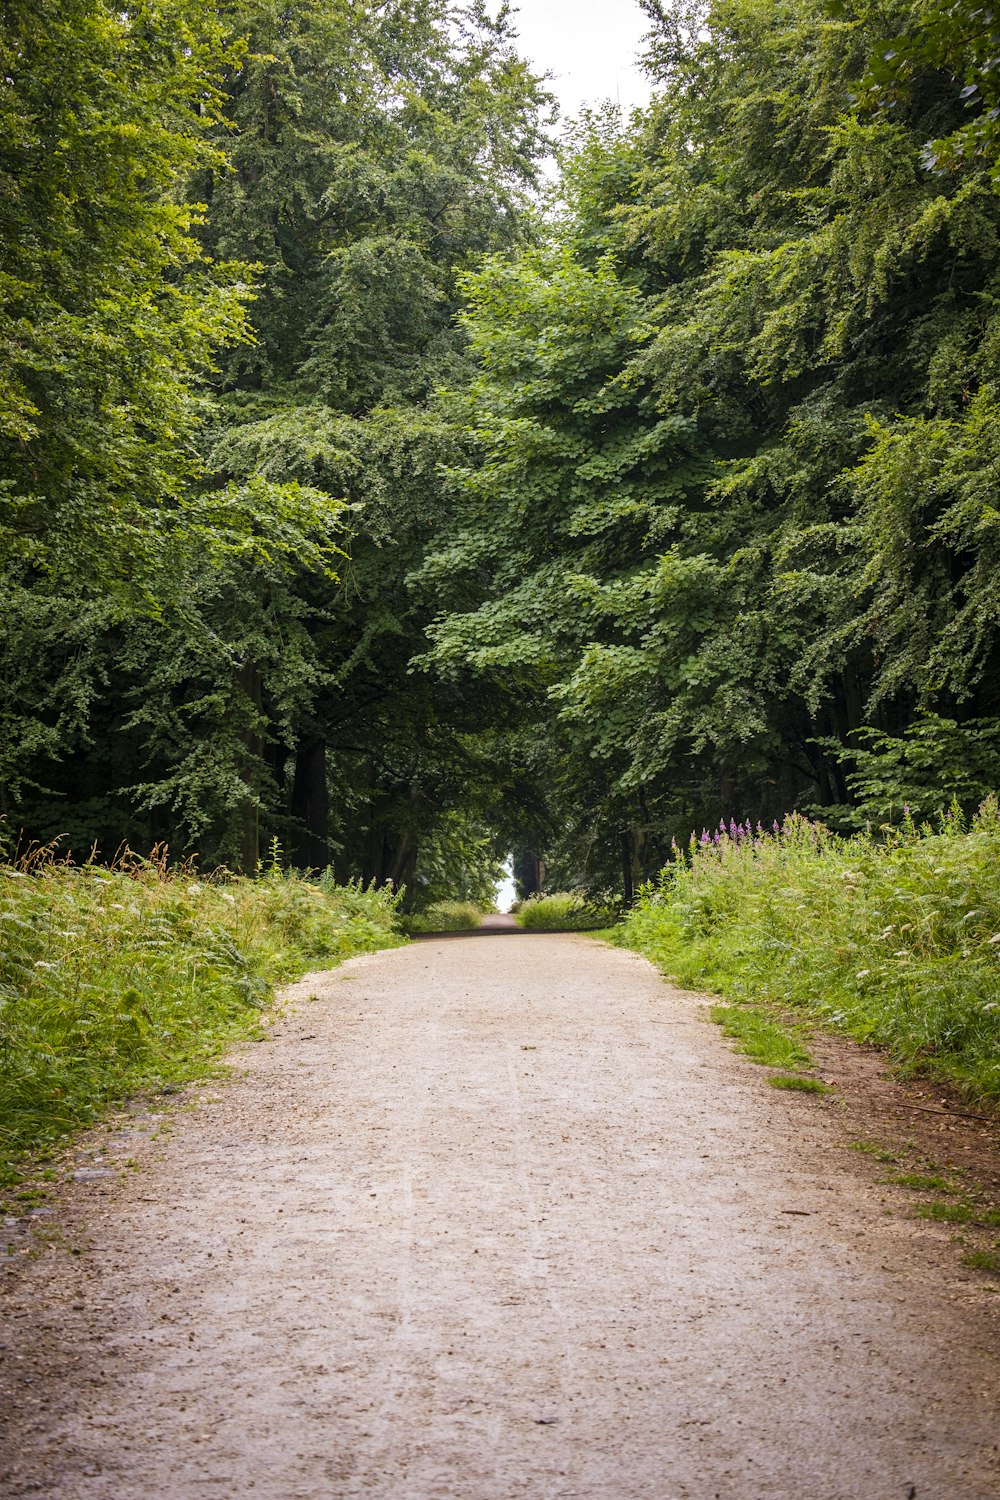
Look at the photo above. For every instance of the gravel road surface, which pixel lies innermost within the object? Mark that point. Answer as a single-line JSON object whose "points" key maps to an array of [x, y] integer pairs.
{"points": [[493, 1217]]}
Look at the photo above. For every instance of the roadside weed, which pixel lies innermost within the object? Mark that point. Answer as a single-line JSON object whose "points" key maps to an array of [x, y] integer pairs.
{"points": [[761, 1036], [872, 1148], [959, 1213], [922, 1184], [797, 1081], [983, 1260], [444, 916], [946, 1212]]}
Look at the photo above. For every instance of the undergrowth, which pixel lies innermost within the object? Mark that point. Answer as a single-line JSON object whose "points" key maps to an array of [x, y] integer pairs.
{"points": [[444, 916], [893, 940], [564, 911], [113, 980]]}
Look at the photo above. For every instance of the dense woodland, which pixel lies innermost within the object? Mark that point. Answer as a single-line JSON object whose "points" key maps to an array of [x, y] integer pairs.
{"points": [[367, 495]]}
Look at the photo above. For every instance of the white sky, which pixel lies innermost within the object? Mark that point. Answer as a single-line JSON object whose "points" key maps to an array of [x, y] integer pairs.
{"points": [[589, 46], [506, 892]]}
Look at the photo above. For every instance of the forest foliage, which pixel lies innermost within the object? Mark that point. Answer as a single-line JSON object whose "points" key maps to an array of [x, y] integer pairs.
{"points": [[231, 250], [735, 489], [360, 492]]}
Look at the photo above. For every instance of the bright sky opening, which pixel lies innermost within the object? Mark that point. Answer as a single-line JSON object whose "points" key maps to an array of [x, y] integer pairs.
{"points": [[590, 47]]}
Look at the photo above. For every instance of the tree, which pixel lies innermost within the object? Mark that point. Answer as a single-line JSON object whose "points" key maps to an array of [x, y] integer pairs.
{"points": [[110, 314], [110, 318], [377, 154], [489, 528], [359, 158], [796, 294]]}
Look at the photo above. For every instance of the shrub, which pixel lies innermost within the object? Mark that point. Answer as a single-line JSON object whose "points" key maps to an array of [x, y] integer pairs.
{"points": [[563, 911], [444, 916]]}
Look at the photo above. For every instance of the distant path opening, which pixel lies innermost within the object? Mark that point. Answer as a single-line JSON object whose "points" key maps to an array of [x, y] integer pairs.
{"points": [[499, 922]]}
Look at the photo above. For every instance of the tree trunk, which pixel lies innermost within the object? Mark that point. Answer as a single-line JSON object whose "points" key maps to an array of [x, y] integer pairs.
{"points": [[250, 682], [311, 806], [399, 859], [628, 887]]}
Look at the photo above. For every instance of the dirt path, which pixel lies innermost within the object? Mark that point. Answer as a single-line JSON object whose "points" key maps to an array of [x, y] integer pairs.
{"points": [[496, 1217]]}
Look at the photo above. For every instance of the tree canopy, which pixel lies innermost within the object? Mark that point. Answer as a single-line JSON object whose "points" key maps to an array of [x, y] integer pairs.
{"points": [[359, 494]]}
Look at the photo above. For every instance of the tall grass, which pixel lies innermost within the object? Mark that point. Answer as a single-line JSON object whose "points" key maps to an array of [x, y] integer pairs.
{"points": [[134, 977], [563, 911], [894, 941], [444, 916]]}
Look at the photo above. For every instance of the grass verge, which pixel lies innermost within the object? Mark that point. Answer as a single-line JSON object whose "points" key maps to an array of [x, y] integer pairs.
{"points": [[894, 942], [117, 980], [761, 1036]]}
